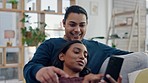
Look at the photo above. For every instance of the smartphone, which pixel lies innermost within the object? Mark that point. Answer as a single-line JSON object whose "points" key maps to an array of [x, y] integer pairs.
{"points": [[113, 68]]}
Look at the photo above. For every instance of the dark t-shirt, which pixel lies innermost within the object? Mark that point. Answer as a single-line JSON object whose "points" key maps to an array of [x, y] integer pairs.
{"points": [[71, 80]]}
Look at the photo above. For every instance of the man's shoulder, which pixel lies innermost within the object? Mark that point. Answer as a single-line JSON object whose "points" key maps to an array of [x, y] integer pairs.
{"points": [[94, 44], [55, 39], [86, 41]]}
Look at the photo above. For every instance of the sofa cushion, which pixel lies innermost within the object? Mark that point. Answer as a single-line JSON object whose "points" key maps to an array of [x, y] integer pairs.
{"points": [[139, 76], [132, 62]]}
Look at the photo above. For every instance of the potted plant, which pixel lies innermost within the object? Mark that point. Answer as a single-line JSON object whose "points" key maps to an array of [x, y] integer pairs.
{"points": [[14, 3], [32, 36]]}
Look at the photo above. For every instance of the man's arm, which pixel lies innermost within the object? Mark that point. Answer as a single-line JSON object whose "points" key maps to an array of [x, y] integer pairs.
{"points": [[50, 74], [113, 51], [29, 71]]}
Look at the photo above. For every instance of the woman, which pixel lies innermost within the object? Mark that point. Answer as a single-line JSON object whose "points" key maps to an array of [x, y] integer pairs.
{"points": [[73, 59]]}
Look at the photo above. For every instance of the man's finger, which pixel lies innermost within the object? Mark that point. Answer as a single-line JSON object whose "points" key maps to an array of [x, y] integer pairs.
{"points": [[53, 77]]}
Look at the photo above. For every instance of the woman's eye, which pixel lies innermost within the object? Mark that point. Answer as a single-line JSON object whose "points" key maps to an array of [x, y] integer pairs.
{"points": [[85, 55], [76, 52]]}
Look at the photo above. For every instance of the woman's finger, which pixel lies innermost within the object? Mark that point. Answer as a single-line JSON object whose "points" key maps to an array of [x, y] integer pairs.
{"points": [[110, 79]]}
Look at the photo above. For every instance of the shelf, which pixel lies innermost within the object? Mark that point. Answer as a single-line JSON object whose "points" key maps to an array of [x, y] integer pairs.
{"points": [[120, 26], [10, 10], [21, 9], [55, 29], [124, 13], [9, 65], [10, 46], [43, 12], [19, 64], [127, 21], [124, 38], [118, 38], [125, 25], [28, 11]]}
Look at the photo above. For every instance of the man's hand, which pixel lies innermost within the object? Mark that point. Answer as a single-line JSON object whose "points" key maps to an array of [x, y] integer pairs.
{"points": [[92, 78], [50, 74]]}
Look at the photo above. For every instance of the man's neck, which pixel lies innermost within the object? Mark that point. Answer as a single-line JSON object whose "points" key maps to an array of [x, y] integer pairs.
{"points": [[67, 39]]}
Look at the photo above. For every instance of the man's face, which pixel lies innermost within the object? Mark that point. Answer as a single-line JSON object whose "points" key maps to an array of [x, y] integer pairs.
{"points": [[75, 26]]}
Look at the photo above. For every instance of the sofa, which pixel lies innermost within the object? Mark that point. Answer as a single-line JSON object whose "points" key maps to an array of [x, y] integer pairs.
{"points": [[132, 62], [139, 76]]}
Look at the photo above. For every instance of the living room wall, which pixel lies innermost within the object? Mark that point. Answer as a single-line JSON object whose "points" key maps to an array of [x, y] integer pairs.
{"points": [[98, 22]]}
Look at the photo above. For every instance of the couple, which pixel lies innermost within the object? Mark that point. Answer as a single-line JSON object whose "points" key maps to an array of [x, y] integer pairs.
{"points": [[41, 69]]}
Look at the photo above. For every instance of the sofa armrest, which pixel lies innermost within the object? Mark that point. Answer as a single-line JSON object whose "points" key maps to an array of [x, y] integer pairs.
{"points": [[132, 62], [139, 76]]}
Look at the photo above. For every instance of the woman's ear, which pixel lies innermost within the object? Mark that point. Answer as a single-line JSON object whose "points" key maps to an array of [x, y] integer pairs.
{"points": [[61, 56]]}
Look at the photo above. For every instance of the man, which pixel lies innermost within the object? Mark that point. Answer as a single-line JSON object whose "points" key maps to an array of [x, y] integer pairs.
{"points": [[75, 21]]}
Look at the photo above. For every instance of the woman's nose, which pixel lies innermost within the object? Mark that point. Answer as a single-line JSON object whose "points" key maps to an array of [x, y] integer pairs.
{"points": [[82, 56]]}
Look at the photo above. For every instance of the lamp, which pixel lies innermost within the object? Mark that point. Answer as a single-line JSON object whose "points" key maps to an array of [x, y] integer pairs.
{"points": [[9, 34]]}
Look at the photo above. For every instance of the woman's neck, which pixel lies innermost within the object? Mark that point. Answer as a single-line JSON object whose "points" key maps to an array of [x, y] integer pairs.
{"points": [[71, 73]]}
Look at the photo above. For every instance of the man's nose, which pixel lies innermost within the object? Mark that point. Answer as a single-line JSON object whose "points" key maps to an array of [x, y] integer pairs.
{"points": [[77, 28]]}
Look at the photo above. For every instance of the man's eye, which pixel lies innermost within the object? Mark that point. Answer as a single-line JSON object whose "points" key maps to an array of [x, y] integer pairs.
{"points": [[72, 25], [81, 25]]}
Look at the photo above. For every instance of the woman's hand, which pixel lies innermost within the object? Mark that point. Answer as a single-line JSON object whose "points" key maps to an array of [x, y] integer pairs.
{"points": [[97, 78], [112, 80]]}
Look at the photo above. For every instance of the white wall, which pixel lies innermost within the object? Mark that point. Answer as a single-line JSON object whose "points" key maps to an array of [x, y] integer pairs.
{"points": [[146, 28], [98, 24]]}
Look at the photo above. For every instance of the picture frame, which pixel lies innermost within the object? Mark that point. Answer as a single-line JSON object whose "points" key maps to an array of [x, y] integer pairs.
{"points": [[94, 8]]}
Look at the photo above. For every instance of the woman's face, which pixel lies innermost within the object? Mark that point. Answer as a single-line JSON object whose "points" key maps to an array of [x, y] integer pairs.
{"points": [[75, 58]]}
